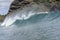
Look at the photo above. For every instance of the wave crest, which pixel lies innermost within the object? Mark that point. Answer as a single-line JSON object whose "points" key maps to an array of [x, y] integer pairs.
{"points": [[23, 14]]}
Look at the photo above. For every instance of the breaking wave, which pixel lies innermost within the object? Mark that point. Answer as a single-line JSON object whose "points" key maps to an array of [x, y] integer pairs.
{"points": [[24, 13], [10, 20]]}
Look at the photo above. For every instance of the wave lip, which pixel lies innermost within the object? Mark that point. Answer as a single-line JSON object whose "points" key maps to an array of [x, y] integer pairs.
{"points": [[9, 21]]}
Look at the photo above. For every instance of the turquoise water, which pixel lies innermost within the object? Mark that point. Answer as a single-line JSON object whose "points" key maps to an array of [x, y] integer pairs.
{"points": [[37, 27]]}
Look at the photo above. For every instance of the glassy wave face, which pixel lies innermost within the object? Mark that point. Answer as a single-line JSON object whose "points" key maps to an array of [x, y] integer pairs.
{"points": [[37, 27]]}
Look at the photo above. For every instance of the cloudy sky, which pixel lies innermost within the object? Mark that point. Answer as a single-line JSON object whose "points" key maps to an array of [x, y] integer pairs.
{"points": [[4, 6]]}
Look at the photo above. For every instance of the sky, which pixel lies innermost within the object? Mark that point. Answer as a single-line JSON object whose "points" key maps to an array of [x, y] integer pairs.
{"points": [[4, 6]]}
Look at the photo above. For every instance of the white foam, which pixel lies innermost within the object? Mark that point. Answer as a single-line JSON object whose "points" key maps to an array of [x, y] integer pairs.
{"points": [[8, 22]]}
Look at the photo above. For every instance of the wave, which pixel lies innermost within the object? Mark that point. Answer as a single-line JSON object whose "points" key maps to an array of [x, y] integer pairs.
{"points": [[9, 20], [23, 14], [39, 18]]}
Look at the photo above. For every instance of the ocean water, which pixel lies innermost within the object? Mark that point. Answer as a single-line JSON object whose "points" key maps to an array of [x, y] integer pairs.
{"points": [[37, 27]]}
